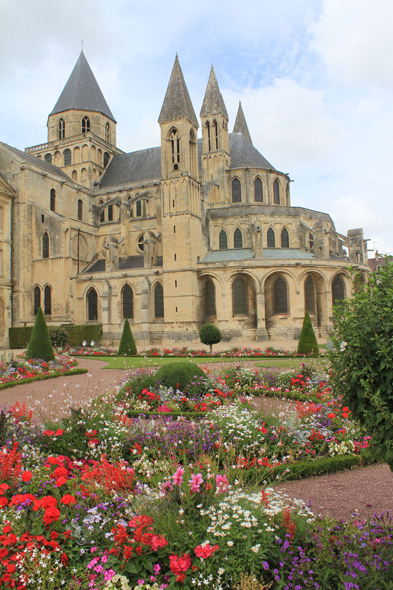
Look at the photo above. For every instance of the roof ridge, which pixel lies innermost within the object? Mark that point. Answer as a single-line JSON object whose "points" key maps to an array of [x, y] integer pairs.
{"points": [[213, 103], [241, 124], [177, 102]]}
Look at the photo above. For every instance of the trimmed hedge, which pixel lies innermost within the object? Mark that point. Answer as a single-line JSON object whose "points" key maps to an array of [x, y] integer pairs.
{"points": [[289, 395], [127, 345], [40, 345], [42, 378], [177, 375], [307, 341], [20, 337]]}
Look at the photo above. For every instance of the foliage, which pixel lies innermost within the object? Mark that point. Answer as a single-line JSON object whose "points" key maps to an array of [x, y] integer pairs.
{"points": [[19, 337], [362, 360], [307, 341], [59, 337], [40, 345], [178, 375], [210, 334], [127, 346]]}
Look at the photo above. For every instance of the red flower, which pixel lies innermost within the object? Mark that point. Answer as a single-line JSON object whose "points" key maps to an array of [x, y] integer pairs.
{"points": [[331, 416], [61, 481], [51, 514], [68, 499], [26, 476], [3, 488]]}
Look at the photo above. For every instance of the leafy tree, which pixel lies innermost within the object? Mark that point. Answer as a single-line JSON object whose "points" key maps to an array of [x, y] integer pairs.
{"points": [[210, 334], [362, 359], [127, 346], [40, 345], [307, 341]]}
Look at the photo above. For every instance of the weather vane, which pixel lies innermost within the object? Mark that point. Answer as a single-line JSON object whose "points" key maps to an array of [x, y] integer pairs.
{"points": [[82, 44]]}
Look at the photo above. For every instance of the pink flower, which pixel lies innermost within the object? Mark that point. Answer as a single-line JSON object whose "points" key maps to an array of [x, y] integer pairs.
{"points": [[166, 487], [222, 484], [195, 482], [178, 477], [156, 568]]}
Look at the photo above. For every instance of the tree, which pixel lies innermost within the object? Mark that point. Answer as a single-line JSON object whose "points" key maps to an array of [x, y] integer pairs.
{"points": [[307, 341], [127, 346], [40, 345], [362, 359], [210, 334]]}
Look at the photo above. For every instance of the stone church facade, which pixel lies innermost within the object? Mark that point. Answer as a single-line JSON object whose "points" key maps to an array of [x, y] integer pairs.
{"points": [[192, 231]]}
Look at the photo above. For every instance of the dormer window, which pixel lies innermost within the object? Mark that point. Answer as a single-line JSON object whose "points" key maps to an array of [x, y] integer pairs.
{"points": [[85, 124], [61, 128], [175, 149]]}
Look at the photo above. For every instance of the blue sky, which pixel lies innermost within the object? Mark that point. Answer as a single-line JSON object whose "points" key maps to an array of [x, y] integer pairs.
{"points": [[315, 78]]}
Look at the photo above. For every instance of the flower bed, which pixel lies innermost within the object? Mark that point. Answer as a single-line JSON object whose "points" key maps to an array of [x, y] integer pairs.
{"points": [[100, 500], [22, 370]]}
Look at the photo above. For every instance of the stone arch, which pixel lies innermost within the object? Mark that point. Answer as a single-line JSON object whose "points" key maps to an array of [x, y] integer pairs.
{"points": [[277, 289], [92, 304], [271, 238], [209, 298], [47, 300], [313, 286], [276, 191], [127, 302], [85, 153], [158, 300], [338, 288], [358, 282], [223, 240], [236, 190], [238, 238], [36, 299], [284, 238], [77, 155], [243, 293], [258, 189]]}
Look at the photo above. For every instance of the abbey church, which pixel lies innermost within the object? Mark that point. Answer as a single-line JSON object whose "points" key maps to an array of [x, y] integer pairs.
{"points": [[170, 237]]}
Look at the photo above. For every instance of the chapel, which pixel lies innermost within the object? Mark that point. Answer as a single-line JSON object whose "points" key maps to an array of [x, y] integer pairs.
{"points": [[192, 231]]}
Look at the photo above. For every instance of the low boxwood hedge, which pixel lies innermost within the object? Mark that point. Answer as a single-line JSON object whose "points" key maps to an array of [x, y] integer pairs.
{"points": [[20, 337], [41, 378]]}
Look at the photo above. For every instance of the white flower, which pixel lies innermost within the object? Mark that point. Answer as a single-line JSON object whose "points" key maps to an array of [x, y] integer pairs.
{"points": [[230, 543], [343, 346]]}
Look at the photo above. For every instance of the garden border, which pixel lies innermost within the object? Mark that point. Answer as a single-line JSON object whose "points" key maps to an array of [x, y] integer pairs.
{"points": [[42, 378]]}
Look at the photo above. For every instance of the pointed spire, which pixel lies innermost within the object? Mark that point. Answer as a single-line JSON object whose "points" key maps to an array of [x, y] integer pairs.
{"points": [[213, 103], [82, 91], [241, 124], [177, 102]]}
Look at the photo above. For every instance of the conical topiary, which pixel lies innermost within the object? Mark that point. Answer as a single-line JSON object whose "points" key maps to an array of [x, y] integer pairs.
{"points": [[40, 345], [127, 346], [307, 342]]}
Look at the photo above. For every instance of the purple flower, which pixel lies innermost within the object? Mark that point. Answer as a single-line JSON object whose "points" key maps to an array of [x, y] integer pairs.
{"points": [[265, 565]]}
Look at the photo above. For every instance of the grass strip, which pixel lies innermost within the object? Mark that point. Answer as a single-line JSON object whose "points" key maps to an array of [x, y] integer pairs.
{"points": [[42, 378]]}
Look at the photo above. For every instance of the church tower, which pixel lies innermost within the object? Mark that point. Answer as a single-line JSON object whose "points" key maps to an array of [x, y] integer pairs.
{"points": [[81, 129], [241, 124], [215, 139]]}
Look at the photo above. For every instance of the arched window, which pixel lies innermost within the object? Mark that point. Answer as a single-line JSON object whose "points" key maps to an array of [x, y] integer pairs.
{"points": [[284, 238], [53, 200], [67, 157], [92, 305], [210, 299], [139, 208], [106, 159], [110, 213], [80, 209], [47, 300], [238, 239], [48, 158], [271, 238], [239, 294], [258, 190], [280, 296], [236, 191], [338, 290], [61, 128], [310, 241], [45, 245], [102, 214], [193, 153], [37, 299], [75, 175], [276, 192], [215, 133], [85, 124], [107, 133], [223, 240], [158, 301], [141, 244], [309, 295], [175, 149], [127, 302], [208, 136]]}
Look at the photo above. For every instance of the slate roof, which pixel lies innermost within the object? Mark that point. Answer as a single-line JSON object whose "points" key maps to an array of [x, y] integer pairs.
{"points": [[177, 102], [45, 166], [286, 253], [246, 254], [82, 92], [213, 103], [241, 124], [146, 164], [127, 264], [229, 255]]}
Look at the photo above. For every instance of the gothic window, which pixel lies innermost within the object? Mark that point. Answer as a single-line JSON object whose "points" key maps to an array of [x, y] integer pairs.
{"points": [[310, 241], [75, 175], [239, 294], [208, 135], [338, 291], [107, 133], [106, 159], [85, 124], [61, 128], [236, 191], [309, 295], [210, 299], [141, 244], [47, 300], [102, 214], [215, 128], [48, 158], [110, 213], [271, 238], [67, 157], [175, 148], [223, 240], [37, 299], [280, 296], [80, 209], [276, 192], [127, 302], [193, 153], [258, 190], [284, 238], [238, 239], [92, 305], [53, 200], [158, 301], [45, 245], [139, 208]]}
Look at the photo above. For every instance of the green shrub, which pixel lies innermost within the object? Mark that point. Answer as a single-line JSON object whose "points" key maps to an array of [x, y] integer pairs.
{"points": [[362, 360], [210, 334], [58, 337], [127, 345], [178, 375], [40, 345], [307, 342], [20, 337], [134, 387]]}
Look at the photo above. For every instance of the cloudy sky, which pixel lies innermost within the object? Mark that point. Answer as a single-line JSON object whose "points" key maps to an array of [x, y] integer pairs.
{"points": [[315, 78]]}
